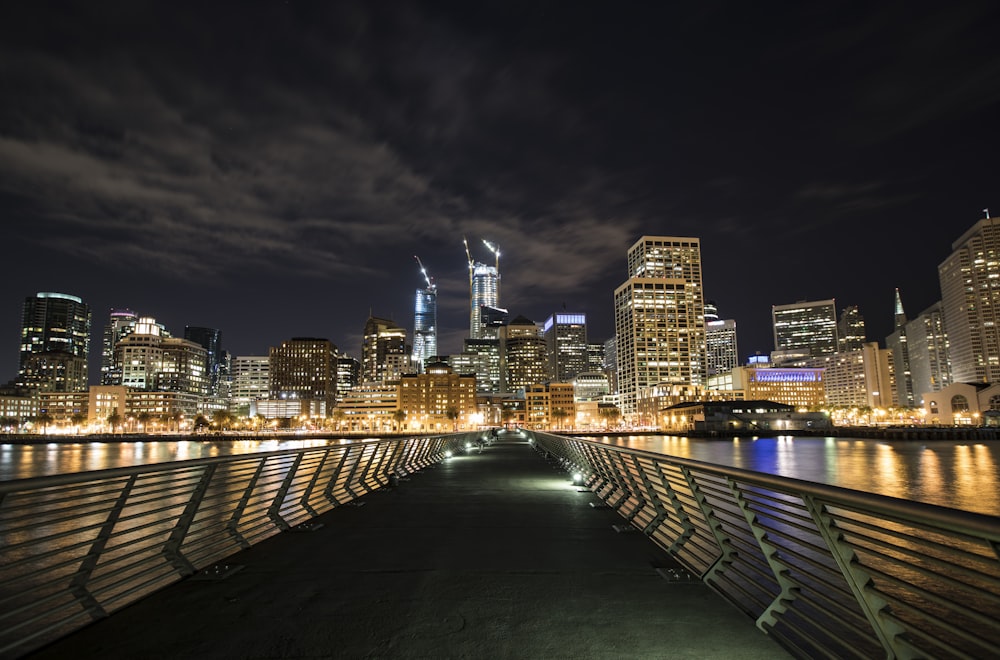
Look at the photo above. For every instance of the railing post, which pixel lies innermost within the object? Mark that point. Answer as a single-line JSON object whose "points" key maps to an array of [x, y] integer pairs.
{"points": [[682, 516], [172, 548], [304, 500], [789, 590], [858, 580], [661, 511], [328, 491], [234, 521], [354, 470], [726, 552], [274, 511], [78, 585]]}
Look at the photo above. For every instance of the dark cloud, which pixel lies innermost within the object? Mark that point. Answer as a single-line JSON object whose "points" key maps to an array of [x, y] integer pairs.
{"points": [[206, 162]]}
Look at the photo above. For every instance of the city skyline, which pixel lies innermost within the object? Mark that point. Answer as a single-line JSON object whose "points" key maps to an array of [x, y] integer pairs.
{"points": [[270, 171]]}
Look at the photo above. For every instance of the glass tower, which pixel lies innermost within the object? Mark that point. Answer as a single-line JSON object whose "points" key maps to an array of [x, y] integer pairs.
{"points": [[54, 325], [485, 293], [804, 329], [425, 326]]}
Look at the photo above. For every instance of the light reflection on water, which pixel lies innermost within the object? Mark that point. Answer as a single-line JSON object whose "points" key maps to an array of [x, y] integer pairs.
{"points": [[955, 474]]}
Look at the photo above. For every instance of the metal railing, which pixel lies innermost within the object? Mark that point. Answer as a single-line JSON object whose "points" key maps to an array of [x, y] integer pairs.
{"points": [[76, 547], [826, 571]]}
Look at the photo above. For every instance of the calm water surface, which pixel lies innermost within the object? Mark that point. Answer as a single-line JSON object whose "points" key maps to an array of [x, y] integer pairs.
{"points": [[961, 475]]}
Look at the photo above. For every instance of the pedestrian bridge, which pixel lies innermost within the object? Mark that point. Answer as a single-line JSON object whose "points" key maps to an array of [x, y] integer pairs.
{"points": [[536, 546]]}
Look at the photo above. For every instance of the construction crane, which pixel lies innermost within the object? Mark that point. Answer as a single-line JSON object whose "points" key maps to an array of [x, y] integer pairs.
{"points": [[469, 257], [428, 278], [495, 249]]}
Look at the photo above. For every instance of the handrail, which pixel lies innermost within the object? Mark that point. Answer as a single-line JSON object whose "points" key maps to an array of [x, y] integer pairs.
{"points": [[826, 571], [76, 547]]}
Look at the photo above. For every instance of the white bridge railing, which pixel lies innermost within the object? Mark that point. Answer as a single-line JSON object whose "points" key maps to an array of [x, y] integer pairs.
{"points": [[826, 571], [76, 547]]}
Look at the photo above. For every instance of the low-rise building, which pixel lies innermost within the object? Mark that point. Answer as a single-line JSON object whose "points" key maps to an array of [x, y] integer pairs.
{"points": [[741, 417]]}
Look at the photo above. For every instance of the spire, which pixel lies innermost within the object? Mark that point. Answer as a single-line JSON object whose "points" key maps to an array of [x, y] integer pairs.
{"points": [[900, 314]]}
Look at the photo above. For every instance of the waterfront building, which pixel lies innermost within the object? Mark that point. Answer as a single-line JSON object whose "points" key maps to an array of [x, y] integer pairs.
{"points": [[304, 368], [721, 346], [927, 349], [105, 401], [216, 359], [118, 320], [659, 318], [438, 399], [251, 380], [55, 343], [897, 344], [566, 342], [970, 301], [802, 387], [590, 386], [963, 404], [741, 416], [425, 325], [861, 378], [151, 361], [524, 355], [383, 351], [804, 329], [17, 406], [370, 407], [549, 405], [64, 408], [851, 334]]}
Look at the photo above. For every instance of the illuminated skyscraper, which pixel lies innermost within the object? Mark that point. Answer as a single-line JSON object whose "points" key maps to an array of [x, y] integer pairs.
{"points": [[119, 319], [425, 326], [383, 350], [898, 344], [970, 300], [211, 340], [851, 335], [720, 342], [485, 293], [55, 342], [803, 330], [566, 341], [659, 318], [525, 360], [304, 368], [927, 348]]}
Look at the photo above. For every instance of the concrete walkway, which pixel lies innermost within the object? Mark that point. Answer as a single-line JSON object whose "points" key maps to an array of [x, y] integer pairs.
{"points": [[492, 555]]}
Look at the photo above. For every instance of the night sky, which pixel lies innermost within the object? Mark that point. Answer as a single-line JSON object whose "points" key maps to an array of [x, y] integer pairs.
{"points": [[271, 168]]}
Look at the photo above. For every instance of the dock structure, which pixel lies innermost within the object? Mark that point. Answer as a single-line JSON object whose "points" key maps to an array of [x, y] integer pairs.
{"points": [[488, 554]]}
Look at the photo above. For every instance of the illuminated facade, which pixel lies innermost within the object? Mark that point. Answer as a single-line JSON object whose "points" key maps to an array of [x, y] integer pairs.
{"points": [[251, 380], [438, 399], [383, 351], [566, 342], [970, 300], [54, 325], [485, 292], [898, 344], [151, 361], [799, 387], [804, 329], [425, 326], [304, 368], [369, 407], [927, 348], [118, 320], [720, 346], [860, 378], [659, 318], [524, 358], [217, 363], [851, 334], [549, 405]]}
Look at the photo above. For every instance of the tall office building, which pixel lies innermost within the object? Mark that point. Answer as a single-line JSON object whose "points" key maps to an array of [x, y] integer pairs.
{"points": [[55, 343], [611, 364], [383, 350], [927, 347], [566, 342], [659, 318], [425, 325], [251, 380], [118, 320], [211, 340], [970, 300], [804, 329], [524, 358], [304, 368], [484, 292], [851, 335], [152, 360], [897, 344], [720, 341]]}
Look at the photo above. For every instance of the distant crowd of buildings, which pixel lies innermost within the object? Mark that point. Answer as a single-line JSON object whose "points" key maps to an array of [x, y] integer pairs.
{"points": [[673, 363]]}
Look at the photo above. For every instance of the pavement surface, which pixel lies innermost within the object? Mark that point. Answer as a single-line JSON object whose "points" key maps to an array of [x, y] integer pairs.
{"points": [[488, 555]]}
